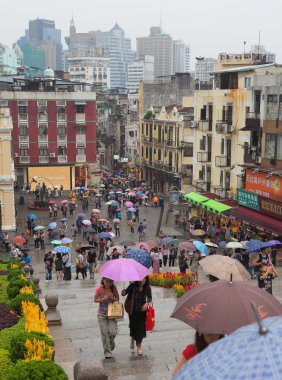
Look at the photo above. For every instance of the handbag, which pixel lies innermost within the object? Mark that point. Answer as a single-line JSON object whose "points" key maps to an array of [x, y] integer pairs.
{"points": [[115, 310], [128, 303], [150, 318]]}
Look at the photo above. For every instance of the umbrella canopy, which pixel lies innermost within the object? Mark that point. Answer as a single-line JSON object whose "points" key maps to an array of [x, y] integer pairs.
{"points": [[66, 241], [19, 240], [166, 240], [188, 245], [52, 225], [198, 232], [234, 245], [254, 245], [102, 185], [124, 270], [86, 222], [84, 248], [210, 244], [131, 209], [128, 204], [127, 243], [222, 244], [226, 358], [201, 247], [114, 203], [56, 242], [109, 203], [116, 220], [64, 219], [145, 197], [96, 211], [104, 235], [152, 244], [144, 246], [102, 220], [90, 229], [31, 216], [64, 201], [119, 248], [223, 267], [39, 228], [141, 256], [118, 209], [51, 202], [81, 215], [270, 243], [174, 242], [62, 249], [221, 307]]}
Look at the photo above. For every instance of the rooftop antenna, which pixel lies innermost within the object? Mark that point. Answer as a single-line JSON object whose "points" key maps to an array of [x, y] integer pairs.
{"points": [[245, 47], [259, 42], [161, 19]]}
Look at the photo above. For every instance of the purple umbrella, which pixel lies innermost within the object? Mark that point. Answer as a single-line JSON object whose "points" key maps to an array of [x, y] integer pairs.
{"points": [[131, 209], [66, 241], [124, 270], [270, 243]]}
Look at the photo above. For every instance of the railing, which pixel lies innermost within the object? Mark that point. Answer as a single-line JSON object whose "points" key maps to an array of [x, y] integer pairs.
{"points": [[158, 164], [80, 138], [205, 125], [80, 158], [252, 115], [80, 118], [43, 159], [222, 161], [61, 116], [23, 116], [170, 143], [42, 117], [23, 138], [203, 156], [223, 127], [201, 185], [24, 159], [62, 139], [148, 139], [42, 138], [159, 141], [62, 158]]}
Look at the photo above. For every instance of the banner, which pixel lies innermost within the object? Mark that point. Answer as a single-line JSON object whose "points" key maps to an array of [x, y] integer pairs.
{"points": [[259, 184], [248, 199]]}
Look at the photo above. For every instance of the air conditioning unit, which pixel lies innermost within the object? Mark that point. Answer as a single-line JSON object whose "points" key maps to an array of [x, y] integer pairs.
{"points": [[52, 155], [16, 154], [258, 160]]}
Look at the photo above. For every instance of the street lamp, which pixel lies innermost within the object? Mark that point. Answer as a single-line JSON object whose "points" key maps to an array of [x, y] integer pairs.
{"points": [[35, 179]]}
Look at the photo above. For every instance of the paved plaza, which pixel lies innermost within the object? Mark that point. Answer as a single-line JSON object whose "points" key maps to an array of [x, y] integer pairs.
{"points": [[79, 336]]}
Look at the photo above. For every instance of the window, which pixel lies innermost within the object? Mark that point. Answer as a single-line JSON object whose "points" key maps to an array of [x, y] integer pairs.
{"points": [[80, 130], [247, 82], [271, 98], [80, 150], [279, 147], [147, 129], [131, 133], [147, 152], [42, 129], [22, 110], [23, 150], [227, 180], [188, 150], [270, 145], [61, 110], [43, 151], [80, 108], [62, 131], [221, 178], [159, 155], [62, 150], [203, 143], [222, 146], [3, 103], [23, 129]]}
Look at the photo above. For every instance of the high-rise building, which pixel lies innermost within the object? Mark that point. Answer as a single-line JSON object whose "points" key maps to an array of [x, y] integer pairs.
{"points": [[92, 68], [44, 35], [178, 56], [187, 59], [8, 60], [32, 55], [140, 70], [79, 43], [121, 55], [160, 46], [203, 68]]}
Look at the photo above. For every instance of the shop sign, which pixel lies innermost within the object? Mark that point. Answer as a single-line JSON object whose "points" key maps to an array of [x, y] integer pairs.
{"points": [[272, 208], [248, 199], [174, 197], [260, 184]]}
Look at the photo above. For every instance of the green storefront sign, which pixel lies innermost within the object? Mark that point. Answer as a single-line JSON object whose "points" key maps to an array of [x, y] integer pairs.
{"points": [[248, 199]]}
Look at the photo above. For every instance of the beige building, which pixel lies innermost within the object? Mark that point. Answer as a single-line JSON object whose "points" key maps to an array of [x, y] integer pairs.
{"points": [[228, 124], [7, 177]]}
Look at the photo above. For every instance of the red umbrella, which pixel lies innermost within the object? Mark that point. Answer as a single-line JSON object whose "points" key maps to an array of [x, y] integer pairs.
{"points": [[18, 240], [222, 307], [152, 244]]}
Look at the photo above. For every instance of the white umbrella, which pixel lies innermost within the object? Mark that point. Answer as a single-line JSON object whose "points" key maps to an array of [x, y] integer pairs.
{"points": [[210, 244], [233, 245]]}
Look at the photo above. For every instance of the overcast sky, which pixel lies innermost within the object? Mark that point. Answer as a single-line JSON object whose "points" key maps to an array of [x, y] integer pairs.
{"points": [[208, 26]]}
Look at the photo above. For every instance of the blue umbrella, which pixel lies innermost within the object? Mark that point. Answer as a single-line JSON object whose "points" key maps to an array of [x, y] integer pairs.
{"points": [[271, 243], [222, 244], [81, 215], [64, 219], [31, 216], [254, 245], [114, 203], [104, 235], [83, 188], [52, 225], [62, 249], [90, 229], [111, 192], [251, 352], [201, 247], [166, 240], [141, 256]]}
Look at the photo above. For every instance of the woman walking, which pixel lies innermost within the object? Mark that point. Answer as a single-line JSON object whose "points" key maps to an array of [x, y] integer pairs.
{"points": [[104, 295], [59, 266], [48, 260], [136, 305], [155, 260]]}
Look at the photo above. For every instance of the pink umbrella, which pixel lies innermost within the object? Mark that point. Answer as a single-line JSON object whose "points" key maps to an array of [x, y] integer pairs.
{"points": [[86, 222], [145, 197], [51, 202], [187, 245], [145, 246], [66, 241], [64, 201], [128, 204], [152, 244], [132, 193], [124, 270]]}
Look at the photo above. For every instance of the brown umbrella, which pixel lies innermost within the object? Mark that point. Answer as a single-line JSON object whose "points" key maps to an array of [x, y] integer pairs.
{"points": [[187, 245], [223, 267], [198, 232], [222, 307]]}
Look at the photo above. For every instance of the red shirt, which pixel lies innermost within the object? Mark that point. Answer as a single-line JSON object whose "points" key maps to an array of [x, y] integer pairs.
{"points": [[189, 352]]}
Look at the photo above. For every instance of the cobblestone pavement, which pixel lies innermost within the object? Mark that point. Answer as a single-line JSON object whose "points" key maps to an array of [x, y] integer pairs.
{"points": [[79, 335]]}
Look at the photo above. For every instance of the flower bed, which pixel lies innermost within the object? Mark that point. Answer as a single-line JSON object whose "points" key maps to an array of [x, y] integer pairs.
{"points": [[180, 290], [168, 279], [26, 349]]}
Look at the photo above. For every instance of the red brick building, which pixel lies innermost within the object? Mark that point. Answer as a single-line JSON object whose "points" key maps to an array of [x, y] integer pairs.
{"points": [[54, 130]]}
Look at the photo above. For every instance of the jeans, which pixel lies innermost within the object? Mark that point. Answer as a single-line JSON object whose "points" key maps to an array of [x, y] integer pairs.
{"points": [[164, 260], [171, 261], [67, 273], [108, 329], [101, 255], [117, 231], [48, 273]]}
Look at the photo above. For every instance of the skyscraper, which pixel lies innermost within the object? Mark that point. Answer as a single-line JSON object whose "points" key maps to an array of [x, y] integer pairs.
{"points": [[160, 46], [178, 56], [140, 70]]}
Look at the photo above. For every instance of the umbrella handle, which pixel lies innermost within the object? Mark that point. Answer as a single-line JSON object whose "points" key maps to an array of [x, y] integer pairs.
{"points": [[262, 329]]}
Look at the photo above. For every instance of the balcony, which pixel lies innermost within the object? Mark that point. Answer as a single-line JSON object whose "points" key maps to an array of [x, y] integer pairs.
{"points": [[61, 117], [158, 164], [62, 159], [80, 139], [169, 168], [205, 125], [204, 156], [80, 118], [159, 141], [201, 185], [220, 190], [24, 159], [62, 139], [171, 143], [24, 138], [223, 127], [23, 117], [221, 161], [80, 158], [42, 138], [147, 139], [43, 159], [42, 116], [252, 121]]}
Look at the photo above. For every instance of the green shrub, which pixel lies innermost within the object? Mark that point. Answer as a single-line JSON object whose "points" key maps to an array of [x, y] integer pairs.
{"points": [[14, 274], [18, 350], [15, 286], [7, 334], [16, 303], [36, 370], [5, 363], [13, 262], [3, 290]]}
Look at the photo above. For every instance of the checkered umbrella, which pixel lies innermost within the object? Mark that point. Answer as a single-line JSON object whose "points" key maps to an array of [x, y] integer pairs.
{"points": [[141, 256], [62, 249]]}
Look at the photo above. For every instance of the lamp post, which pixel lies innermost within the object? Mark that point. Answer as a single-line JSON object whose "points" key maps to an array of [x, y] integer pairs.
{"points": [[35, 179]]}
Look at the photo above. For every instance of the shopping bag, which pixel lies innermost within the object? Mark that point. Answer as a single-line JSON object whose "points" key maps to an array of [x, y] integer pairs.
{"points": [[150, 318], [115, 310]]}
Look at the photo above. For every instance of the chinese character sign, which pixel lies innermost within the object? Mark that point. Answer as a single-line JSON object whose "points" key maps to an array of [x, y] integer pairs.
{"points": [[265, 187], [248, 199]]}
